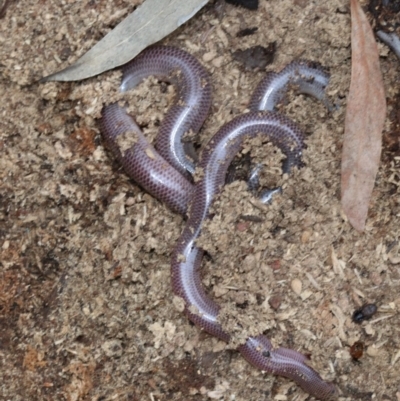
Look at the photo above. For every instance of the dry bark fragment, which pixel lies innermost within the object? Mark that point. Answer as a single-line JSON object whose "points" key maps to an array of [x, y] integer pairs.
{"points": [[365, 116]]}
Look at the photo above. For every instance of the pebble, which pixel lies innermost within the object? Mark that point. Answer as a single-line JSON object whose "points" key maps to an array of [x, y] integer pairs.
{"points": [[296, 286]]}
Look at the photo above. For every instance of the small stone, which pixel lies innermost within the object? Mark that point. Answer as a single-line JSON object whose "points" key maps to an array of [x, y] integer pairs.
{"points": [[242, 226], [305, 237], [275, 302], [296, 286], [275, 265]]}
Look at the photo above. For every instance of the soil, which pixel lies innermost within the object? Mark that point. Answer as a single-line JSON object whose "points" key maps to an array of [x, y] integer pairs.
{"points": [[86, 307]]}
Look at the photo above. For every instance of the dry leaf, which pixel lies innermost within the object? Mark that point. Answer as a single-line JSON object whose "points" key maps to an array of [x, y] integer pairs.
{"points": [[365, 116], [149, 23]]}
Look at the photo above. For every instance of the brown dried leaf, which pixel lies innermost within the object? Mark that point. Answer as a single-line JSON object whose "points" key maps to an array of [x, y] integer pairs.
{"points": [[149, 23], [365, 116]]}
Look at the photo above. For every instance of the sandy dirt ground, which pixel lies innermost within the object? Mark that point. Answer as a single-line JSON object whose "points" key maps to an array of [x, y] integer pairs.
{"points": [[86, 308]]}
